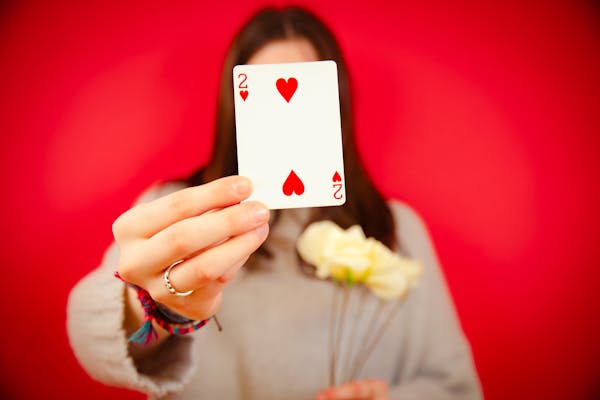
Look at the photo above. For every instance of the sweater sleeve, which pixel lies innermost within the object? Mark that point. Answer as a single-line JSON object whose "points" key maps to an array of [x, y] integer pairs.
{"points": [[438, 363], [95, 315]]}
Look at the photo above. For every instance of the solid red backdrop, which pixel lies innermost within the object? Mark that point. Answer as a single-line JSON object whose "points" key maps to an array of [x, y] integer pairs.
{"points": [[483, 117]]}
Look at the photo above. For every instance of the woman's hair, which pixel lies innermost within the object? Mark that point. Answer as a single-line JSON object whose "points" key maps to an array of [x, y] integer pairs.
{"points": [[364, 204]]}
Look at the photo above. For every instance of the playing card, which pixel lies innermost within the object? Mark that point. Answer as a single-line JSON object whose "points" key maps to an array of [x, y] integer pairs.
{"points": [[289, 139]]}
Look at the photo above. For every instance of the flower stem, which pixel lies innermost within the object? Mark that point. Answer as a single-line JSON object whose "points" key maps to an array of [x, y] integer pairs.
{"points": [[370, 346], [354, 333], [370, 329], [332, 333], [340, 328]]}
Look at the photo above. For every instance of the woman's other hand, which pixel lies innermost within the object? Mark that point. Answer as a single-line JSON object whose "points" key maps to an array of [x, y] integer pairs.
{"points": [[368, 389]]}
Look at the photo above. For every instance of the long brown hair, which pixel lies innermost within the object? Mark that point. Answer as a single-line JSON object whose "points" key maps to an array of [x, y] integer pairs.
{"points": [[364, 204]]}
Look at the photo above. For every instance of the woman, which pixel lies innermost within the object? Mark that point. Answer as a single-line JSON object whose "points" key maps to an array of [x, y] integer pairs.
{"points": [[275, 314]]}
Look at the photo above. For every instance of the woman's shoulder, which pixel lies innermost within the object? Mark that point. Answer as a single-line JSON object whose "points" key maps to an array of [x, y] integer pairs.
{"points": [[405, 214], [411, 229]]}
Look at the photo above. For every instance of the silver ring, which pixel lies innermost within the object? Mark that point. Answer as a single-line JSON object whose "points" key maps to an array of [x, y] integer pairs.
{"points": [[168, 284]]}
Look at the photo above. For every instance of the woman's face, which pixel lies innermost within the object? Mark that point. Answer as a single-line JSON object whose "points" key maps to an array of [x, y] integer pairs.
{"points": [[285, 51]]}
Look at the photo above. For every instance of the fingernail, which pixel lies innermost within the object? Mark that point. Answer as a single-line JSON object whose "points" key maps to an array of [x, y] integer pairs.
{"points": [[262, 230], [260, 214], [242, 185]]}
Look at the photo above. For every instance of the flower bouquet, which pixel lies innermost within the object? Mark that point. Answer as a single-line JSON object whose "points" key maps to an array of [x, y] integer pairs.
{"points": [[361, 265]]}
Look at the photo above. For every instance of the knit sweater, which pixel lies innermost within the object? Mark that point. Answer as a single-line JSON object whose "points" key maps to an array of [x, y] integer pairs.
{"points": [[276, 334]]}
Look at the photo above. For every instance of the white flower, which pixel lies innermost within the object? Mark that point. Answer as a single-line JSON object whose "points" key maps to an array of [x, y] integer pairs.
{"points": [[335, 252], [391, 275], [347, 255]]}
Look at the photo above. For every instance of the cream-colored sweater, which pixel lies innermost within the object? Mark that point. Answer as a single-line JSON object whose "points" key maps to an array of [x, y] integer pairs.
{"points": [[275, 340]]}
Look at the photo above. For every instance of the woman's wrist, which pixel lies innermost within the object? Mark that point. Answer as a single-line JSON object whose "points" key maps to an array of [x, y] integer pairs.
{"points": [[171, 316], [168, 320], [135, 316]]}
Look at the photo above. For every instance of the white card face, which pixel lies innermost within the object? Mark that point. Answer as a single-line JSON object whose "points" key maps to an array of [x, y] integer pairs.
{"points": [[289, 138]]}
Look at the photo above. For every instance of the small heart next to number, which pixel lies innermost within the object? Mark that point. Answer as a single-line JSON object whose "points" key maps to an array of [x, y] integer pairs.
{"points": [[244, 94]]}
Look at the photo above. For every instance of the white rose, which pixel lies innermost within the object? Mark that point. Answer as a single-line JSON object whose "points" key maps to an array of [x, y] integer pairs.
{"points": [[347, 255], [341, 254], [311, 242], [391, 275]]}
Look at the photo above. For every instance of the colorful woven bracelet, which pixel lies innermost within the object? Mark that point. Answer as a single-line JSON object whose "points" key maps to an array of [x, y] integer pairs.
{"points": [[163, 317]]}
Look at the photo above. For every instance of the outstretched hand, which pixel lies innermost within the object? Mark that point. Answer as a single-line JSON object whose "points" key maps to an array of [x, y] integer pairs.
{"points": [[205, 226]]}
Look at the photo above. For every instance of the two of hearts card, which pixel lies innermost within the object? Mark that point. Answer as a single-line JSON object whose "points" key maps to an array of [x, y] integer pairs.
{"points": [[288, 132]]}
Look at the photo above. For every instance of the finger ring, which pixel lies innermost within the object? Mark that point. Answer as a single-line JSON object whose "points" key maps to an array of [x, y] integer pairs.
{"points": [[168, 284]]}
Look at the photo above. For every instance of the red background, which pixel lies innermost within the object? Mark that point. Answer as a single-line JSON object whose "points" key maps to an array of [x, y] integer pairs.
{"points": [[485, 118]]}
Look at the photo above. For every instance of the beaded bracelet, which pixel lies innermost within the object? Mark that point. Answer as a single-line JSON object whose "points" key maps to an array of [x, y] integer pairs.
{"points": [[165, 318]]}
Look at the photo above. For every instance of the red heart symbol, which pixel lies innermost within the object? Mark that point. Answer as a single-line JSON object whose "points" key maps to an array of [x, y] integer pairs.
{"points": [[244, 94], [293, 184], [287, 88], [337, 177]]}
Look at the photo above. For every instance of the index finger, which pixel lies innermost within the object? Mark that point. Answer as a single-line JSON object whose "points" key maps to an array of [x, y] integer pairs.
{"points": [[145, 220]]}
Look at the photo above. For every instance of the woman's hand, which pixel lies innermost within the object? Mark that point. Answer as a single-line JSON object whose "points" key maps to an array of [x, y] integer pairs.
{"points": [[369, 389], [207, 227]]}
